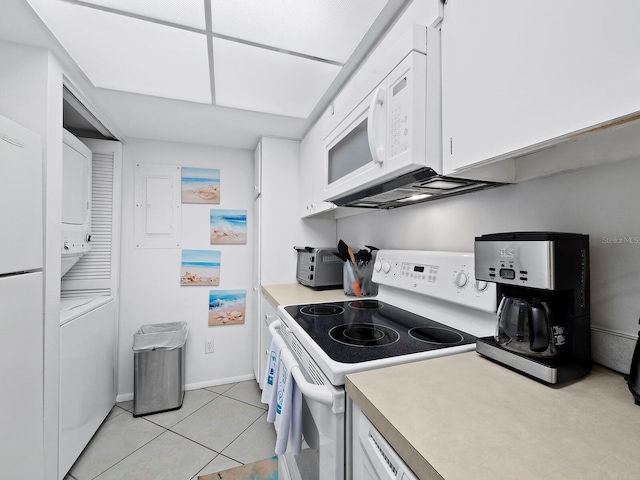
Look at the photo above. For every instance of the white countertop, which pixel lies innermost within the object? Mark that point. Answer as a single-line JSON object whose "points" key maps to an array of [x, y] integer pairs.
{"points": [[295, 293]]}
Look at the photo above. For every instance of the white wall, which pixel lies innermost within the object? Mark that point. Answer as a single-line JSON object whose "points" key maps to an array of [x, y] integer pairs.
{"points": [[150, 278], [601, 202]]}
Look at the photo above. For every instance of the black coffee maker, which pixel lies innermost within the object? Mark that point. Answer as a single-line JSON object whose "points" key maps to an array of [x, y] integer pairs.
{"points": [[544, 326]]}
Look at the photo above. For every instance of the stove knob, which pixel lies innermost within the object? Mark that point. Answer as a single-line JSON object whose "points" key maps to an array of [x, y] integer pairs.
{"points": [[377, 265], [386, 267], [480, 285], [461, 279]]}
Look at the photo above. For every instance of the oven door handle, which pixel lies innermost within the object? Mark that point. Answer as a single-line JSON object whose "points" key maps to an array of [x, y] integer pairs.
{"points": [[318, 393]]}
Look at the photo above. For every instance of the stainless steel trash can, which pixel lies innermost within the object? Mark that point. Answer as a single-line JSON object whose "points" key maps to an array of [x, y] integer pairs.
{"points": [[159, 366]]}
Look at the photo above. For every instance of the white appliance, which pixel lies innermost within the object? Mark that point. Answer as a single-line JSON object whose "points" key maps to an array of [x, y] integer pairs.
{"points": [[384, 136], [373, 457], [87, 369], [21, 300], [429, 305], [387, 152], [76, 200]]}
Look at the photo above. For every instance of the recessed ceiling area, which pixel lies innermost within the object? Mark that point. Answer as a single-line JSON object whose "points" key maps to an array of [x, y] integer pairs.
{"points": [[279, 57]]}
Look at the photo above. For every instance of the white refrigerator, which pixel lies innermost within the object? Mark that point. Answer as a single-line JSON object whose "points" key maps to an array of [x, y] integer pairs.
{"points": [[21, 302]]}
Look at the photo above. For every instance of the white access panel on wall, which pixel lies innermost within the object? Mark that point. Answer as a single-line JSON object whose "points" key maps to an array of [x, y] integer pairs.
{"points": [[158, 216]]}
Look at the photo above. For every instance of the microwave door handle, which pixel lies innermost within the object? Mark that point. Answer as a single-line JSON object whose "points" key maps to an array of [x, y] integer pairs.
{"points": [[317, 393], [375, 108]]}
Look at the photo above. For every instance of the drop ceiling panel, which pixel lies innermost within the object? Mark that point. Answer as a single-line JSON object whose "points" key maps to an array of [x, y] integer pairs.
{"points": [[323, 29], [183, 12], [262, 80], [132, 55]]}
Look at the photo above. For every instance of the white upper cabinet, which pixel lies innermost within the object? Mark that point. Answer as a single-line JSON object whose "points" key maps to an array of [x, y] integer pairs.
{"points": [[522, 76], [311, 181]]}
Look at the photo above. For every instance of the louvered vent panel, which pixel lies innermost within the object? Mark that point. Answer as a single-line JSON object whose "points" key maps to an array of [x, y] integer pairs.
{"points": [[87, 292], [96, 264]]}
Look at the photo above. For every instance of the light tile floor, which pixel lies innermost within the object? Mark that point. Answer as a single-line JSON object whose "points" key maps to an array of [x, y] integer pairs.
{"points": [[216, 428]]}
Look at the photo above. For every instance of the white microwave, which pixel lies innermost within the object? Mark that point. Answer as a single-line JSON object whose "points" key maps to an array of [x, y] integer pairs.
{"points": [[385, 136]]}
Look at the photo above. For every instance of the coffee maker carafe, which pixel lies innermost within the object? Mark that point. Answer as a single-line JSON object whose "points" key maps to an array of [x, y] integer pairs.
{"points": [[543, 324], [528, 328]]}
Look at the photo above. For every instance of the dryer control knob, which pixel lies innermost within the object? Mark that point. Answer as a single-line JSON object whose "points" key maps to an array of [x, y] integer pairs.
{"points": [[386, 267], [480, 285], [377, 266], [66, 245]]}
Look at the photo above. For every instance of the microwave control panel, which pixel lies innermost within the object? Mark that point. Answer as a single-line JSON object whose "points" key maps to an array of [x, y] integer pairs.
{"points": [[400, 116]]}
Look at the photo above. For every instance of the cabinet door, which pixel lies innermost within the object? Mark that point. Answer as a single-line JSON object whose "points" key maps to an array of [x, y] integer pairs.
{"points": [[311, 180], [519, 76], [269, 315]]}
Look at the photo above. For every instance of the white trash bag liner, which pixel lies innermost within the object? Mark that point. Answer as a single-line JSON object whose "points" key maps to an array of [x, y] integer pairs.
{"points": [[160, 336]]}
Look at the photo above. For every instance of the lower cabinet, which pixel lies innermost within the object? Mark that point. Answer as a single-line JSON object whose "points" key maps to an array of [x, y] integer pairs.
{"points": [[269, 314]]}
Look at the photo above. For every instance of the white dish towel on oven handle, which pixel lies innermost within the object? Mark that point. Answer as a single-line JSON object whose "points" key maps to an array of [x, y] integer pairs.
{"points": [[288, 421], [270, 388]]}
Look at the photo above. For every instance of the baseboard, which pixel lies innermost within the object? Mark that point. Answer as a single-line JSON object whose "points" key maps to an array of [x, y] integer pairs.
{"points": [[125, 397]]}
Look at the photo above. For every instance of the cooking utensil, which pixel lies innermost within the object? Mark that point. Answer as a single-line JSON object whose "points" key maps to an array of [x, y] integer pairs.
{"points": [[355, 284], [343, 248]]}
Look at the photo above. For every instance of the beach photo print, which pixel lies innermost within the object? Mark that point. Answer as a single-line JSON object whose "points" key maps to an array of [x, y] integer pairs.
{"points": [[200, 267], [227, 307], [200, 185], [228, 226]]}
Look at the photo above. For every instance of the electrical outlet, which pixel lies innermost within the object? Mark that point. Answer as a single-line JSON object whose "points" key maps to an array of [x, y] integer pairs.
{"points": [[208, 346]]}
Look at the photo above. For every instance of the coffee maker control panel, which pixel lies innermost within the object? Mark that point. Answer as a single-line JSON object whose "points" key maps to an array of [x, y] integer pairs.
{"points": [[522, 263]]}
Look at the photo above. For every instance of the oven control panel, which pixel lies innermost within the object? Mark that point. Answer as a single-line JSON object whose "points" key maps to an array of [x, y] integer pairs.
{"points": [[445, 275]]}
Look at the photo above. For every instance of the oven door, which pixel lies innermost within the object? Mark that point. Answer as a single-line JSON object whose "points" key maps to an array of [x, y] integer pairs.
{"points": [[323, 417]]}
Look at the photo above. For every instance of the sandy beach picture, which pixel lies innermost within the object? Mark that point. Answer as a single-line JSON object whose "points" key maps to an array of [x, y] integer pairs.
{"points": [[200, 267], [200, 185], [228, 226], [227, 307]]}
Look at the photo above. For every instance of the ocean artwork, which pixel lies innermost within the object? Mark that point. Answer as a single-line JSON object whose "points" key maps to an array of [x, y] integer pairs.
{"points": [[200, 267], [228, 226], [200, 185], [227, 307]]}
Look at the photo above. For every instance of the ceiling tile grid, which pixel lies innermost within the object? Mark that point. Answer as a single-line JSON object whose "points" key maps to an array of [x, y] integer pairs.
{"points": [[271, 56], [250, 78]]}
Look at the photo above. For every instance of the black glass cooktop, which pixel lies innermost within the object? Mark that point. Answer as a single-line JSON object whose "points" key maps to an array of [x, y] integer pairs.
{"points": [[364, 330]]}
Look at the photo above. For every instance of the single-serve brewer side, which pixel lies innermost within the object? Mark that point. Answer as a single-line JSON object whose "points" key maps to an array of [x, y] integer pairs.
{"points": [[543, 326]]}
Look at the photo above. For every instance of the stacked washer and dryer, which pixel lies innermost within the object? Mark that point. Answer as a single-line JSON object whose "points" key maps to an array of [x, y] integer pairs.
{"points": [[87, 323]]}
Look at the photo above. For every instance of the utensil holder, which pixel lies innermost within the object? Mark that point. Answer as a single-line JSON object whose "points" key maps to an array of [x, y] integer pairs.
{"points": [[357, 279]]}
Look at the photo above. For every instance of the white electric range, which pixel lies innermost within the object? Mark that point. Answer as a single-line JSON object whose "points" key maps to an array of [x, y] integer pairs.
{"points": [[428, 305]]}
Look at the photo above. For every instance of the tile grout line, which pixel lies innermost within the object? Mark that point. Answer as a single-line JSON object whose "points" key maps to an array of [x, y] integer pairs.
{"points": [[240, 434], [183, 419], [141, 446], [234, 439], [263, 411]]}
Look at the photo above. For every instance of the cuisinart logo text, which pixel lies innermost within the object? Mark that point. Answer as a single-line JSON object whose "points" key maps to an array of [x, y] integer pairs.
{"points": [[632, 240]]}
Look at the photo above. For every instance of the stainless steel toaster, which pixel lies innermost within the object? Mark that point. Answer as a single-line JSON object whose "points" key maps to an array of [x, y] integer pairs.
{"points": [[319, 268]]}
